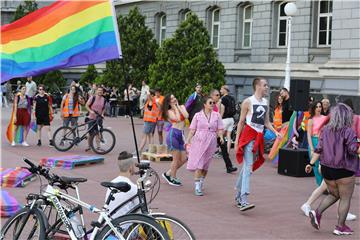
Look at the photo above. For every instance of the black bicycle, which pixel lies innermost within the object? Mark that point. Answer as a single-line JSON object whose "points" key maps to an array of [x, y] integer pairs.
{"points": [[102, 140]]}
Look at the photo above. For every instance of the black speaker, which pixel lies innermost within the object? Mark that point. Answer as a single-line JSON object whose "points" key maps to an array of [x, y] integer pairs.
{"points": [[292, 162], [299, 95]]}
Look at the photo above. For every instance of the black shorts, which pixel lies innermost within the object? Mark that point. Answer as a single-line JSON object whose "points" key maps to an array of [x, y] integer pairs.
{"points": [[94, 129], [335, 173], [43, 120]]}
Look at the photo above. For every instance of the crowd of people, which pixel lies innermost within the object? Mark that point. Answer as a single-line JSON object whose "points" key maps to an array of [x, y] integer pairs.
{"points": [[326, 132]]}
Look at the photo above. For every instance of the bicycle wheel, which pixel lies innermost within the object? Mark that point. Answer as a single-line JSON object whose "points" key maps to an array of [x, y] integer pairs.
{"points": [[64, 138], [25, 224], [176, 229], [135, 227], [103, 142]]}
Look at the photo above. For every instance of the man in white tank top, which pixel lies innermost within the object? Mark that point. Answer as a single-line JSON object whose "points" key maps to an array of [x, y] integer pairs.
{"points": [[249, 139]]}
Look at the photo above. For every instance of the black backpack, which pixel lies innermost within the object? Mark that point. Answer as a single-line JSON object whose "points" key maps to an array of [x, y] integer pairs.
{"points": [[230, 109]]}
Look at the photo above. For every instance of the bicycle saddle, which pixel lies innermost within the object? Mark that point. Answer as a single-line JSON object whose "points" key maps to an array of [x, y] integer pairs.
{"points": [[70, 180], [121, 186]]}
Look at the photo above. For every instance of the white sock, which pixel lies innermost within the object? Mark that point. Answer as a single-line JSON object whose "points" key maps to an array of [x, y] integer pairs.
{"points": [[197, 185]]}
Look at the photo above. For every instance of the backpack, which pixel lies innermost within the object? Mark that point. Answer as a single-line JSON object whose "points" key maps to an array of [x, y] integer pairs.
{"points": [[93, 100], [230, 109]]}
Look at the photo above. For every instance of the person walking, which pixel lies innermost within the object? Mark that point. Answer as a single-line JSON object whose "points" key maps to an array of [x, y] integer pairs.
{"points": [[21, 117], [315, 124], [176, 115], [220, 108], [143, 96], [194, 103], [228, 116], [113, 102], [43, 113], [150, 116], [338, 151], [205, 128], [95, 105], [70, 107], [3, 95], [250, 140]]}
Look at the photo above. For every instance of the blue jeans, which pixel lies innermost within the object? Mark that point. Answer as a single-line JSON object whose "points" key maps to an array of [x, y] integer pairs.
{"points": [[243, 181]]}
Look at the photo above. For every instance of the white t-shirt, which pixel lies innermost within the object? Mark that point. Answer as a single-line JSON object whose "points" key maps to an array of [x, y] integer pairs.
{"points": [[256, 117], [30, 89], [122, 197]]}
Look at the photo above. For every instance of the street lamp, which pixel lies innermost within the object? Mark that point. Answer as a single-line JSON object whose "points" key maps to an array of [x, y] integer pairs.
{"points": [[290, 10]]}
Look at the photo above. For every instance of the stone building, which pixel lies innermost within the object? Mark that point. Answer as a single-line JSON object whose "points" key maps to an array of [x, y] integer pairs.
{"points": [[250, 39]]}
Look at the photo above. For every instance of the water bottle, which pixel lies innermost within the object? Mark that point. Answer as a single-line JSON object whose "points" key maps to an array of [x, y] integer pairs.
{"points": [[76, 225]]}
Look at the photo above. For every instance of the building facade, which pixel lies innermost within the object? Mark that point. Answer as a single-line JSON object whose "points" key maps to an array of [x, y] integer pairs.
{"points": [[250, 38]]}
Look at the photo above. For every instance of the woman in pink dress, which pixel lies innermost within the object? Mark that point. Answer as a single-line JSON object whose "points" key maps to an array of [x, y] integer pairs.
{"points": [[205, 127]]}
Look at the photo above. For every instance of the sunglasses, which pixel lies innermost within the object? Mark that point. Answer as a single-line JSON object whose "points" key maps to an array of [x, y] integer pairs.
{"points": [[211, 103], [40, 89]]}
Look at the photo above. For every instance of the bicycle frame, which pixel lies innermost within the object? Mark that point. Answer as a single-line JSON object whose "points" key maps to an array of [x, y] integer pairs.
{"points": [[52, 195]]}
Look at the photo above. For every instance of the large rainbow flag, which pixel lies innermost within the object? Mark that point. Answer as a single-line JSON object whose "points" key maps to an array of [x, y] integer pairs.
{"points": [[67, 33]]}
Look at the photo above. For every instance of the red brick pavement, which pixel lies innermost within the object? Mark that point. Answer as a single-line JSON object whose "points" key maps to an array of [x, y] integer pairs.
{"points": [[214, 216]]}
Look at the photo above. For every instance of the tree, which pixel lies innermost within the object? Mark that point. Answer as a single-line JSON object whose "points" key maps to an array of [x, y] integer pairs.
{"points": [[138, 49], [25, 8], [89, 76], [186, 59]]}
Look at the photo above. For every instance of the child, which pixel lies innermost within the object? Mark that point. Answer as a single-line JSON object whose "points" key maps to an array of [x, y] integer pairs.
{"points": [[126, 167]]}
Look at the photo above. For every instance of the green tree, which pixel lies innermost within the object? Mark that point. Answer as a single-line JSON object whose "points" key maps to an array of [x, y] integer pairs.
{"points": [[186, 59], [138, 50], [89, 76], [53, 80], [25, 8]]}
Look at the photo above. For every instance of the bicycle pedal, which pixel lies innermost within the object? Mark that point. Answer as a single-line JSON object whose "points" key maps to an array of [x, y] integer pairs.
{"points": [[95, 224]]}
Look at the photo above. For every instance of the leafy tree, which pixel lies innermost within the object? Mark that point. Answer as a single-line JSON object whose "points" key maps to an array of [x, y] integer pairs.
{"points": [[186, 59], [89, 76], [53, 80], [138, 50], [25, 8]]}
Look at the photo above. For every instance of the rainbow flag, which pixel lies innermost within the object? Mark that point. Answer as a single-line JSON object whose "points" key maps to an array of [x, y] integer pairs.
{"points": [[67, 33]]}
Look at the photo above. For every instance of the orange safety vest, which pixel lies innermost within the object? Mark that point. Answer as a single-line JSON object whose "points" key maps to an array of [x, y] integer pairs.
{"points": [[150, 116], [161, 100], [76, 112], [277, 118]]}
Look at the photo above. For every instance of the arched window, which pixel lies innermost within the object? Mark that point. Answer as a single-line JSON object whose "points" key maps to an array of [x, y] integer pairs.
{"points": [[215, 28], [282, 26], [247, 26], [162, 28], [324, 23], [184, 14]]}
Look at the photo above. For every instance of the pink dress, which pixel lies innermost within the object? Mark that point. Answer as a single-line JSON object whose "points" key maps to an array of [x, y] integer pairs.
{"points": [[204, 141]]}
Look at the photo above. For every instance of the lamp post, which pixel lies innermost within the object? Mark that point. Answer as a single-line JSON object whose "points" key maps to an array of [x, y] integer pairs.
{"points": [[290, 10]]}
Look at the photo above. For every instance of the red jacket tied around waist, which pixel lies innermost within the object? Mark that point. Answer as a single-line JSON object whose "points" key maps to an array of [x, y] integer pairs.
{"points": [[247, 135]]}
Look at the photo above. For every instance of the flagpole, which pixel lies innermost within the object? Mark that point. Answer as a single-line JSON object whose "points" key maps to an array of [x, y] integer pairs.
{"points": [[122, 63]]}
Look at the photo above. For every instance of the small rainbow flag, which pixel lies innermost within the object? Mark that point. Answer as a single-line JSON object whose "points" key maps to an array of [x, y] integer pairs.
{"points": [[67, 33]]}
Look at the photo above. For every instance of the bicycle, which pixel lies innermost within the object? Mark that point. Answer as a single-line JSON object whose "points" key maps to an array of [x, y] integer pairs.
{"points": [[174, 227], [129, 226], [65, 138]]}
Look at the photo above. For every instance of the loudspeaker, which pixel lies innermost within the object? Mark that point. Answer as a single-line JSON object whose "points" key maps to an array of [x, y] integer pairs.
{"points": [[292, 162], [299, 95]]}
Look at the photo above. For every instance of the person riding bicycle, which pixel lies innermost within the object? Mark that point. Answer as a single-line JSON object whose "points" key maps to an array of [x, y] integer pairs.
{"points": [[95, 104], [127, 169]]}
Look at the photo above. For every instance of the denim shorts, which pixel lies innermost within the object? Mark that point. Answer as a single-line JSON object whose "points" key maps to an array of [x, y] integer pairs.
{"points": [[72, 120], [149, 127]]}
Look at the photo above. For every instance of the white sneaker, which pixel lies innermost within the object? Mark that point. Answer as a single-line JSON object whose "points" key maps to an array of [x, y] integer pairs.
{"points": [[13, 144], [306, 209], [25, 144], [350, 217]]}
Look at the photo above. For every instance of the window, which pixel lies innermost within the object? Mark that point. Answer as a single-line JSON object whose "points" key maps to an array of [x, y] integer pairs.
{"points": [[184, 14], [215, 28], [324, 23], [162, 28], [247, 27], [282, 26]]}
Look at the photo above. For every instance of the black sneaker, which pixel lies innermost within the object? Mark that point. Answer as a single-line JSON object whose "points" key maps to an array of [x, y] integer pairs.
{"points": [[51, 144], [231, 169], [39, 143], [170, 180], [246, 206]]}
